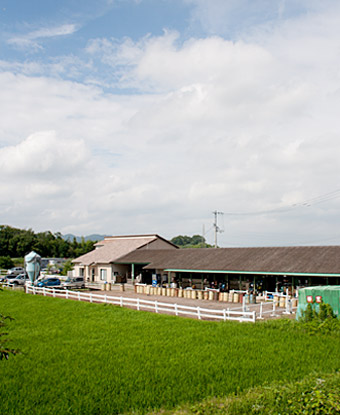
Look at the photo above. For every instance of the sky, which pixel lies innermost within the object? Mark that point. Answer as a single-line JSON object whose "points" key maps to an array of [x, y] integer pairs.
{"points": [[146, 116]]}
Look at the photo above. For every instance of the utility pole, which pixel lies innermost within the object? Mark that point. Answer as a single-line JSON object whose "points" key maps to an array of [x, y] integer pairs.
{"points": [[216, 227]]}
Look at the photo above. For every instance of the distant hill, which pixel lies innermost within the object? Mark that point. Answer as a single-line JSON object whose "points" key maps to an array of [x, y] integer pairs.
{"points": [[93, 237]]}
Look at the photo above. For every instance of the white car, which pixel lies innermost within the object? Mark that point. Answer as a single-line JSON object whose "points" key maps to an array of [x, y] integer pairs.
{"points": [[15, 271], [77, 282], [17, 279]]}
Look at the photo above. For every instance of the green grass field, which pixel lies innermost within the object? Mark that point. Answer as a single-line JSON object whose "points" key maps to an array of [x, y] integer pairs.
{"points": [[82, 358]]}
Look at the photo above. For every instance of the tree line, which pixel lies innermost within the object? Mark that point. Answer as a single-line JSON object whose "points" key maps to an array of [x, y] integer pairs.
{"points": [[16, 243], [195, 241]]}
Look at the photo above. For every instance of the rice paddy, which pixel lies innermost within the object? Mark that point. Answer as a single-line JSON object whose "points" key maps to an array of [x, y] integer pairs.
{"points": [[82, 358]]}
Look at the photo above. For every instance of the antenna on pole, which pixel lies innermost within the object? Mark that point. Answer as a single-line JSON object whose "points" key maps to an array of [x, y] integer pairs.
{"points": [[216, 227]]}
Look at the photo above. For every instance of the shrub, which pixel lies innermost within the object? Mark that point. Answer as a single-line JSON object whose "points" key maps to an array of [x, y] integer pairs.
{"points": [[6, 262]]}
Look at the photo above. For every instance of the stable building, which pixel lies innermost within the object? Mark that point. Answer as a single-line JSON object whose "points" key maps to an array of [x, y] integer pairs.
{"points": [[266, 268]]}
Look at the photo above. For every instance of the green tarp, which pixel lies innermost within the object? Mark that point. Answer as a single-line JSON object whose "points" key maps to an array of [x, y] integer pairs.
{"points": [[329, 294]]}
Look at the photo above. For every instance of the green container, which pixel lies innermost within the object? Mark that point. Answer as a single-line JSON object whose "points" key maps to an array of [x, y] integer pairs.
{"points": [[329, 294]]}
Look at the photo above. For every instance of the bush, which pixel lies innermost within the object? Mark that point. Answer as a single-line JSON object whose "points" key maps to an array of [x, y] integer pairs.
{"points": [[6, 262], [324, 320]]}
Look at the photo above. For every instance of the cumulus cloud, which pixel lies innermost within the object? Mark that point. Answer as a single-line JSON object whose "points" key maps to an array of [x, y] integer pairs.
{"points": [[43, 153], [239, 126]]}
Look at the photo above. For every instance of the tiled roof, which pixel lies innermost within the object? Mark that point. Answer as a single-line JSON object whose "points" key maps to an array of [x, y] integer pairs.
{"points": [[299, 259], [112, 248]]}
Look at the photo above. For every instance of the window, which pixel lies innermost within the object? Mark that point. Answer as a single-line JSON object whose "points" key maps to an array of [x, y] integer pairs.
{"points": [[81, 272], [103, 274]]}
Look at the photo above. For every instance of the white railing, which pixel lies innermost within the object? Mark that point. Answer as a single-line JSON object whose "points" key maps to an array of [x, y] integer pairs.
{"points": [[272, 307], [156, 306]]}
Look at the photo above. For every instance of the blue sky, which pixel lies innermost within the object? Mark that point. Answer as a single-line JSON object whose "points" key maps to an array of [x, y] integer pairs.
{"points": [[127, 116]]}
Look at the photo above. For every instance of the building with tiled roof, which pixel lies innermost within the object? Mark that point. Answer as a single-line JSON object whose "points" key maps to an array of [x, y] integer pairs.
{"points": [[99, 264]]}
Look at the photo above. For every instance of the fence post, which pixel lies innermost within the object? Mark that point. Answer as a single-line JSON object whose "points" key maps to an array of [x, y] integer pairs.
{"points": [[33, 289], [224, 315], [156, 306], [254, 317], [78, 295], [287, 305], [90, 297], [244, 307], [121, 301], [138, 307], [53, 290], [274, 309], [44, 291], [198, 313], [66, 293], [176, 309], [261, 310]]}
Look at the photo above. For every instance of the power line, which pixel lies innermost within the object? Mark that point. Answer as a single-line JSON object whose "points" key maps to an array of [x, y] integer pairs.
{"points": [[307, 203]]}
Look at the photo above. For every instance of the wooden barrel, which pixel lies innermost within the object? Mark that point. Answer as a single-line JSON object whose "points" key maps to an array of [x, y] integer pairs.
{"points": [[282, 302]]}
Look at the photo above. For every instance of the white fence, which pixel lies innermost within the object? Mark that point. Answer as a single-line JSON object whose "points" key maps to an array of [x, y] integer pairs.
{"points": [[156, 306]]}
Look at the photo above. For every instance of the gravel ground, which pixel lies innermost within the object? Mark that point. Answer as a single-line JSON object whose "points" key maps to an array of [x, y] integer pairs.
{"points": [[267, 308]]}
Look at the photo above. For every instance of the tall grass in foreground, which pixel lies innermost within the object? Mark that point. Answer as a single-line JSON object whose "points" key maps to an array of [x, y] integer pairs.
{"points": [[82, 358]]}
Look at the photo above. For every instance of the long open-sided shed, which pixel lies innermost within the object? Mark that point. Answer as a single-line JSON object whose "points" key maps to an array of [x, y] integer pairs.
{"points": [[270, 267]]}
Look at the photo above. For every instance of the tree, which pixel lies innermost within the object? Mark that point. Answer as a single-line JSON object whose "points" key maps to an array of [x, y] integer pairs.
{"points": [[16, 243], [6, 262], [196, 241]]}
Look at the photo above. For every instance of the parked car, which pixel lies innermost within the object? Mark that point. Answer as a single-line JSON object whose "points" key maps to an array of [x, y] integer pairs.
{"points": [[49, 282], [77, 282], [18, 279], [15, 271]]}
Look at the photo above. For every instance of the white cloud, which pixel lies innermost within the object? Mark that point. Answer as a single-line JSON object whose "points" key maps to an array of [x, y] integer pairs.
{"points": [[43, 153], [237, 126], [32, 40]]}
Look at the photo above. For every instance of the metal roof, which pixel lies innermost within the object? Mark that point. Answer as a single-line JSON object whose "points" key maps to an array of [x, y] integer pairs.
{"points": [[312, 260]]}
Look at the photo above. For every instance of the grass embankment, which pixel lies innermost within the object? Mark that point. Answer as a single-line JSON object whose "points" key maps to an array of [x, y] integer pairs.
{"points": [[98, 359]]}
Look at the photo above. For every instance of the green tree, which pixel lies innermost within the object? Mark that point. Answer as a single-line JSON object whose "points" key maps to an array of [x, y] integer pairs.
{"points": [[196, 241], [6, 262]]}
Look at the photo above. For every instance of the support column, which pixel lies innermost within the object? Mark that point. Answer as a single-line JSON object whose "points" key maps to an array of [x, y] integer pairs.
{"points": [[133, 273], [169, 278]]}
